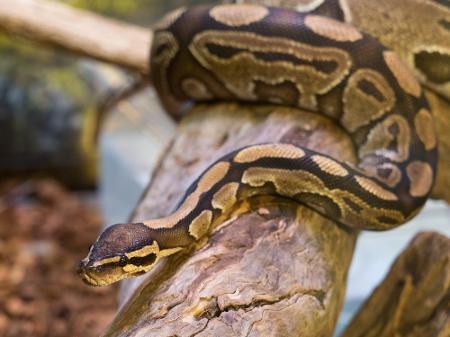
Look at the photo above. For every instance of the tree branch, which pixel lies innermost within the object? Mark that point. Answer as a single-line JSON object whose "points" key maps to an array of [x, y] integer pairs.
{"points": [[78, 31], [279, 270], [414, 298]]}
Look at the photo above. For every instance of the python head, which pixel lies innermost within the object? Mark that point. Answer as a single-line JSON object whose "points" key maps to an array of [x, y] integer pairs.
{"points": [[121, 251]]}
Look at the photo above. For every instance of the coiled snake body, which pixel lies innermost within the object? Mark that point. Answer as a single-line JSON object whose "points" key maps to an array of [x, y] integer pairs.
{"points": [[262, 54]]}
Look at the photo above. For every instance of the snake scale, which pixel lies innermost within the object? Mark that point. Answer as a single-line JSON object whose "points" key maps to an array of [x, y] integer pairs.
{"points": [[254, 53]]}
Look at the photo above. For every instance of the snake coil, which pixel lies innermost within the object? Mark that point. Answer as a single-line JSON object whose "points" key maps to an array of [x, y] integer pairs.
{"points": [[254, 53]]}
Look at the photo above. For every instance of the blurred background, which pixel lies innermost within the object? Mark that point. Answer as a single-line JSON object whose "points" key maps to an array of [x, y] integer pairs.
{"points": [[61, 126], [78, 141]]}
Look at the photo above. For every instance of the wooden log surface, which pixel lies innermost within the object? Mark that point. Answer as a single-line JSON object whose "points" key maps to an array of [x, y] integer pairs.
{"points": [[279, 270], [78, 31], [414, 298]]}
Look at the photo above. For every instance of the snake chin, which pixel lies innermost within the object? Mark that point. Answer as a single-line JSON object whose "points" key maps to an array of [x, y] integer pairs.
{"points": [[99, 276], [113, 269]]}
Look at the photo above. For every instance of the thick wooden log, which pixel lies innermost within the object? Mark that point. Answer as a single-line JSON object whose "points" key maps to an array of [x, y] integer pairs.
{"points": [[279, 270], [78, 31], [414, 298]]}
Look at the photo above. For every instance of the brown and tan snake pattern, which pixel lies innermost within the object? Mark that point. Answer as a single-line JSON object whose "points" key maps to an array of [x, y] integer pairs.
{"points": [[417, 30], [253, 53]]}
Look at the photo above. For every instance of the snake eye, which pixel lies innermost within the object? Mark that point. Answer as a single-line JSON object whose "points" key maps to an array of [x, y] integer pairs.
{"points": [[123, 261]]}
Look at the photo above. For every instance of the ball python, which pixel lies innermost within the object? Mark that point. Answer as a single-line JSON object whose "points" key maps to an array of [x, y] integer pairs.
{"points": [[417, 30], [268, 55]]}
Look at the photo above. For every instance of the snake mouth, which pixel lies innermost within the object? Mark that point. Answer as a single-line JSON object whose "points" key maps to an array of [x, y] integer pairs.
{"points": [[99, 275], [90, 280], [84, 271]]}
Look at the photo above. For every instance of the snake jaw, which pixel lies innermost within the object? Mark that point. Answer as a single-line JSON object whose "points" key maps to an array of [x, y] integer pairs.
{"points": [[115, 268], [102, 272], [86, 276]]}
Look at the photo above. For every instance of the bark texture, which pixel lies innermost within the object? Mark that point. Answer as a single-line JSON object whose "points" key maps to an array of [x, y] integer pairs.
{"points": [[279, 270], [78, 31], [414, 298]]}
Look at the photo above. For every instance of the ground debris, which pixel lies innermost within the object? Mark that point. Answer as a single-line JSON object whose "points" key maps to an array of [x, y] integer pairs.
{"points": [[44, 231]]}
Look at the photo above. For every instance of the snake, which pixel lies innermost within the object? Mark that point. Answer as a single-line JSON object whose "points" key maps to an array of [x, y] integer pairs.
{"points": [[268, 55]]}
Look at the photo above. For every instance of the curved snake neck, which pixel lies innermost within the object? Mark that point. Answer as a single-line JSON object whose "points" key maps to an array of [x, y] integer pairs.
{"points": [[271, 55]]}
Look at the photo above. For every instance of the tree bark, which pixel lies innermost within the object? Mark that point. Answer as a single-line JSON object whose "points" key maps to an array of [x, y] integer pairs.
{"points": [[414, 298], [279, 270], [78, 31]]}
